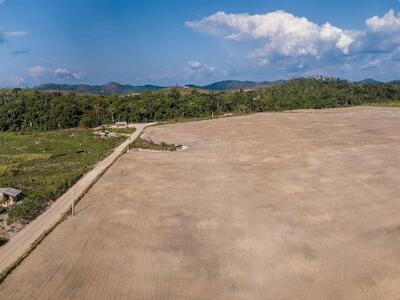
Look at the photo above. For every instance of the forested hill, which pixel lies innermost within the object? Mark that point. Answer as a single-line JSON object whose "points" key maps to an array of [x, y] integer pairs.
{"points": [[109, 88], [232, 85], [116, 88], [33, 110]]}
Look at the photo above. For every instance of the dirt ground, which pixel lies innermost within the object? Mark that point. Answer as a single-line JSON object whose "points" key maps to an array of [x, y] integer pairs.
{"points": [[299, 205]]}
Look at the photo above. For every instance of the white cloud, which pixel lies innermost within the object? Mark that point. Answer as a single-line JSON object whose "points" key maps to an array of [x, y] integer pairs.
{"points": [[196, 66], [282, 43], [197, 70], [281, 33], [16, 33], [389, 23], [40, 73], [66, 74], [382, 34]]}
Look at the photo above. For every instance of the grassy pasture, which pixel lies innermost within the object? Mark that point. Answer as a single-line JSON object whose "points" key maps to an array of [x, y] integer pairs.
{"points": [[45, 165]]}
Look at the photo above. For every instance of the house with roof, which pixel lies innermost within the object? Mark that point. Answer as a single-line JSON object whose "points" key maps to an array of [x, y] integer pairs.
{"points": [[121, 124], [9, 196], [104, 134]]}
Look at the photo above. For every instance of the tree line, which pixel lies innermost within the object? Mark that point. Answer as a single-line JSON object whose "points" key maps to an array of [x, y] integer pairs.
{"points": [[24, 110]]}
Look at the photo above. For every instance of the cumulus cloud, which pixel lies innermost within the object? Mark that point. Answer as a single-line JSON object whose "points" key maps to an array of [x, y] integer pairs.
{"points": [[382, 34], [285, 41], [40, 73], [196, 66], [280, 32], [66, 74], [389, 23], [197, 70]]}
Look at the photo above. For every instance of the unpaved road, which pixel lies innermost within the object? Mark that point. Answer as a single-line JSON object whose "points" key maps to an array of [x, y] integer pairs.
{"points": [[269, 206], [22, 241]]}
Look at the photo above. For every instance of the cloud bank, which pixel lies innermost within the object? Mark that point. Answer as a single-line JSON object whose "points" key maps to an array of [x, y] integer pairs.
{"points": [[281, 32], [292, 43]]}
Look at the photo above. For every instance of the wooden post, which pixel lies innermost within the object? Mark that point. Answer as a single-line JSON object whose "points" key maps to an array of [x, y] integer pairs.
{"points": [[72, 203]]}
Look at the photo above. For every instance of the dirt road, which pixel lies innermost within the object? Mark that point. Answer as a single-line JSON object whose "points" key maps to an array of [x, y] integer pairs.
{"points": [[269, 206], [21, 242]]}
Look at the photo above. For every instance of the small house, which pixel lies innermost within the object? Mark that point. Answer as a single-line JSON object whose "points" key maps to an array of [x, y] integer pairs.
{"points": [[9, 196], [104, 134], [121, 124]]}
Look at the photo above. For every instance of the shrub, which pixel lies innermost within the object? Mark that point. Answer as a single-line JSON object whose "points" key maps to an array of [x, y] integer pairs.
{"points": [[148, 144], [3, 240]]}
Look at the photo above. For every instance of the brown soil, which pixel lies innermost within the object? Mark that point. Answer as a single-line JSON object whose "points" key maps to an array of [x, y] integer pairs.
{"points": [[269, 206]]}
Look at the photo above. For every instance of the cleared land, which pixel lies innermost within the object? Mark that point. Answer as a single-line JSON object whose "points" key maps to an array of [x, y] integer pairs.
{"points": [[270, 206]]}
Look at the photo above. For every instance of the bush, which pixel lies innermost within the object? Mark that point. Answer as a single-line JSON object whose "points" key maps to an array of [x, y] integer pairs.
{"points": [[3, 240], [2, 210], [29, 208], [148, 144]]}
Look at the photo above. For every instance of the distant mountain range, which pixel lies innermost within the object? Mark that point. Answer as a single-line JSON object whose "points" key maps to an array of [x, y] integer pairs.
{"points": [[370, 81], [233, 85], [117, 88], [373, 81], [108, 88]]}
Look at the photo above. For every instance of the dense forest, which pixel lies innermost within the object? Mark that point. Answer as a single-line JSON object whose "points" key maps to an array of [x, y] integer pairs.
{"points": [[24, 110]]}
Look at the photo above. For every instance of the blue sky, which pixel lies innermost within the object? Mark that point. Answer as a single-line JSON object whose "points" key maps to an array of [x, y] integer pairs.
{"points": [[197, 41]]}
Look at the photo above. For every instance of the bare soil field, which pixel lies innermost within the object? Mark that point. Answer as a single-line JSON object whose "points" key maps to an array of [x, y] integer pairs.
{"points": [[301, 205]]}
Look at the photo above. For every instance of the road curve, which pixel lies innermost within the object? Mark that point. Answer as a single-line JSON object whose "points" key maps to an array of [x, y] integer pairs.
{"points": [[20, 244]]}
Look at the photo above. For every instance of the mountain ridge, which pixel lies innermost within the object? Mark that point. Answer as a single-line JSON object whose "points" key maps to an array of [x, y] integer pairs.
{"points": [[117, 88], [108, 88], [224, 85]]}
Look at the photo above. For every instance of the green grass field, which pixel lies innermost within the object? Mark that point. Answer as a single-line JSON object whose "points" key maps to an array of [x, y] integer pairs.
{"points": [[45, 165]]}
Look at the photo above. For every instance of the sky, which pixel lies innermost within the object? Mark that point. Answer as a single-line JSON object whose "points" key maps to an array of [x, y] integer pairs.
{"points": [[196, 41]]}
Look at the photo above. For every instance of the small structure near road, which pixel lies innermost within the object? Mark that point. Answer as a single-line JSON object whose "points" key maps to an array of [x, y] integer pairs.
{"points": [[9, 196], [121, 124], [104, 134]]}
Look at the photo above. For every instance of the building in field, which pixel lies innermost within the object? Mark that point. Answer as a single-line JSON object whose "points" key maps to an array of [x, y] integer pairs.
{"points": [[9, 196], [121, 124], [104, 134]]}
